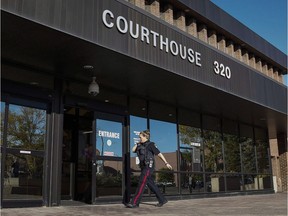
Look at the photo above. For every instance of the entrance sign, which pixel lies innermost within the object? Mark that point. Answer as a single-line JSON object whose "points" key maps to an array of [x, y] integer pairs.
{"points": [[109, 134], [109, 137]]}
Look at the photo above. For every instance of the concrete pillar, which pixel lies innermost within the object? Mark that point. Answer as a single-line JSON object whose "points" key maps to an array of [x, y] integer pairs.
{"points": [[281, 80], [202, 33], [191, 27], [245, 56], [212, 38], [230, 48], [270, 71], [167, 14], [221, 43], [265, 68], [180, 21], [153, 8], [252, 61], [275, 74], [238, 52], [138, 3], [259, 64], [275, 163]]}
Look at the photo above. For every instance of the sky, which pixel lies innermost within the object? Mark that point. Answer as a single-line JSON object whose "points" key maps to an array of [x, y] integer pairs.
{"points": [[267, 18]]}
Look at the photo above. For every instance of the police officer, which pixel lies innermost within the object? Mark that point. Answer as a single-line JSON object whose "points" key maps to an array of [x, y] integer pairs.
{"points": [[145, 151]]}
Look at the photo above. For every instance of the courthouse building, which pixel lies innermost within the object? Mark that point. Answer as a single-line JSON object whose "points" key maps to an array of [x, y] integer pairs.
{"points": [[81, 79]]}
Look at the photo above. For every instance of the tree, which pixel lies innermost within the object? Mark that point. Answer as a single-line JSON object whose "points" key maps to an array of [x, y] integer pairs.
{"points": [[26, 130], [166, 176]]}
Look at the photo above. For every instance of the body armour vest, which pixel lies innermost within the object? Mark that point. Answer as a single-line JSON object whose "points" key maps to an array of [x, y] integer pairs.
{"points": [[145, 155]]}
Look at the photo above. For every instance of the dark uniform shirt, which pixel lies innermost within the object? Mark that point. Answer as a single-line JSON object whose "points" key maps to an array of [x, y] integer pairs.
{"points": [[150, 149]]}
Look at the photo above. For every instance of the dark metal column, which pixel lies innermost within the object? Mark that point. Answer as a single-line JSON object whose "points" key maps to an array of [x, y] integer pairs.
{"points": [[53, 150]]}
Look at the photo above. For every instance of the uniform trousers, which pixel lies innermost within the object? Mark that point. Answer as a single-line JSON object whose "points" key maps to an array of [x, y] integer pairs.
{"points": [[146, 179]]}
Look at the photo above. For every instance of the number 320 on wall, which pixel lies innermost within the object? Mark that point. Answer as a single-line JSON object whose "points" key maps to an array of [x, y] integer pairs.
{"points": [[222, 70]]}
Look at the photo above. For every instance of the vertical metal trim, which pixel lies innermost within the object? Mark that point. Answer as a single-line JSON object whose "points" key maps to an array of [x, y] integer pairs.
{"points": [[178, 152], [223, 154], [94, 162], [148, 114], [47, 161], [126, 182], [241, 160], [3, 147], [255, 150]]}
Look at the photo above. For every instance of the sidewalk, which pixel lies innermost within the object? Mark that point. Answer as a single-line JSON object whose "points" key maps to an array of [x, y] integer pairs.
{"points": [[270, 204]]}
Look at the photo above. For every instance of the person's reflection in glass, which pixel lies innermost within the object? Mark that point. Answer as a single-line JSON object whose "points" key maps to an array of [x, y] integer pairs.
{"points": [[15, 168]]}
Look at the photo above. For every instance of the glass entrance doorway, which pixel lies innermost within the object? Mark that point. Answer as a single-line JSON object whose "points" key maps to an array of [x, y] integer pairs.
{"points": [[108, 162], [23, 132], [92, 155]]}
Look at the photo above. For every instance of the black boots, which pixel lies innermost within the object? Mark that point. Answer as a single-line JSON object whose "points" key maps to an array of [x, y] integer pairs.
{"points": [[161, 204]]}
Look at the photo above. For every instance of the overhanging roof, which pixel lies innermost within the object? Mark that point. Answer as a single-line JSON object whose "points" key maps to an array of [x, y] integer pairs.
{"points": [[28, 44]]}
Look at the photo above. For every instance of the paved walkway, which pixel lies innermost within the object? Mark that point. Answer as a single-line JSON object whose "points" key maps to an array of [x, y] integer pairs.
{"points": [[268, 204]]}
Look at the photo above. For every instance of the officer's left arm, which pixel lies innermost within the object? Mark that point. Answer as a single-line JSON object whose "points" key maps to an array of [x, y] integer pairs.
{"points": [[161, 156]]}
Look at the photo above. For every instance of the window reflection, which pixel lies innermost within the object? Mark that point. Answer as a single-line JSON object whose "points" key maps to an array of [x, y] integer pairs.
{"points": [[189, 136], [109, 180], [248, 155], [137, 124], [213, 151], [2, 121], [23, 177], [192, 183], [232, 153], [190, 159], [215, 182], [233, 182], [262, 146], [163, 134], [26, 128]]}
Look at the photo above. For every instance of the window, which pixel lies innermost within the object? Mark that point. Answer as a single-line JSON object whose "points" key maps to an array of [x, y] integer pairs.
{"points": [[191, 148], [2, 121], [231, 146], [247, 149], [26, 128], [262, 146], [137, 124], [164, 136], [264, 180], [212, 145]]}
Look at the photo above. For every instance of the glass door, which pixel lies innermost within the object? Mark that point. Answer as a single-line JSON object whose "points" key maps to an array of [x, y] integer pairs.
{"points": [[23, 132], [107, 166]]}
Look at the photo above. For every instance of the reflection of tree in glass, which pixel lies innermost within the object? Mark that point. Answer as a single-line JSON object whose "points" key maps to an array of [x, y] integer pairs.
{"points": [[248, 155], [2, 122], [232, 153], [166, 176], [213, 151], [189, 134], [186, 159], [26, 128], [262, 156]]}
